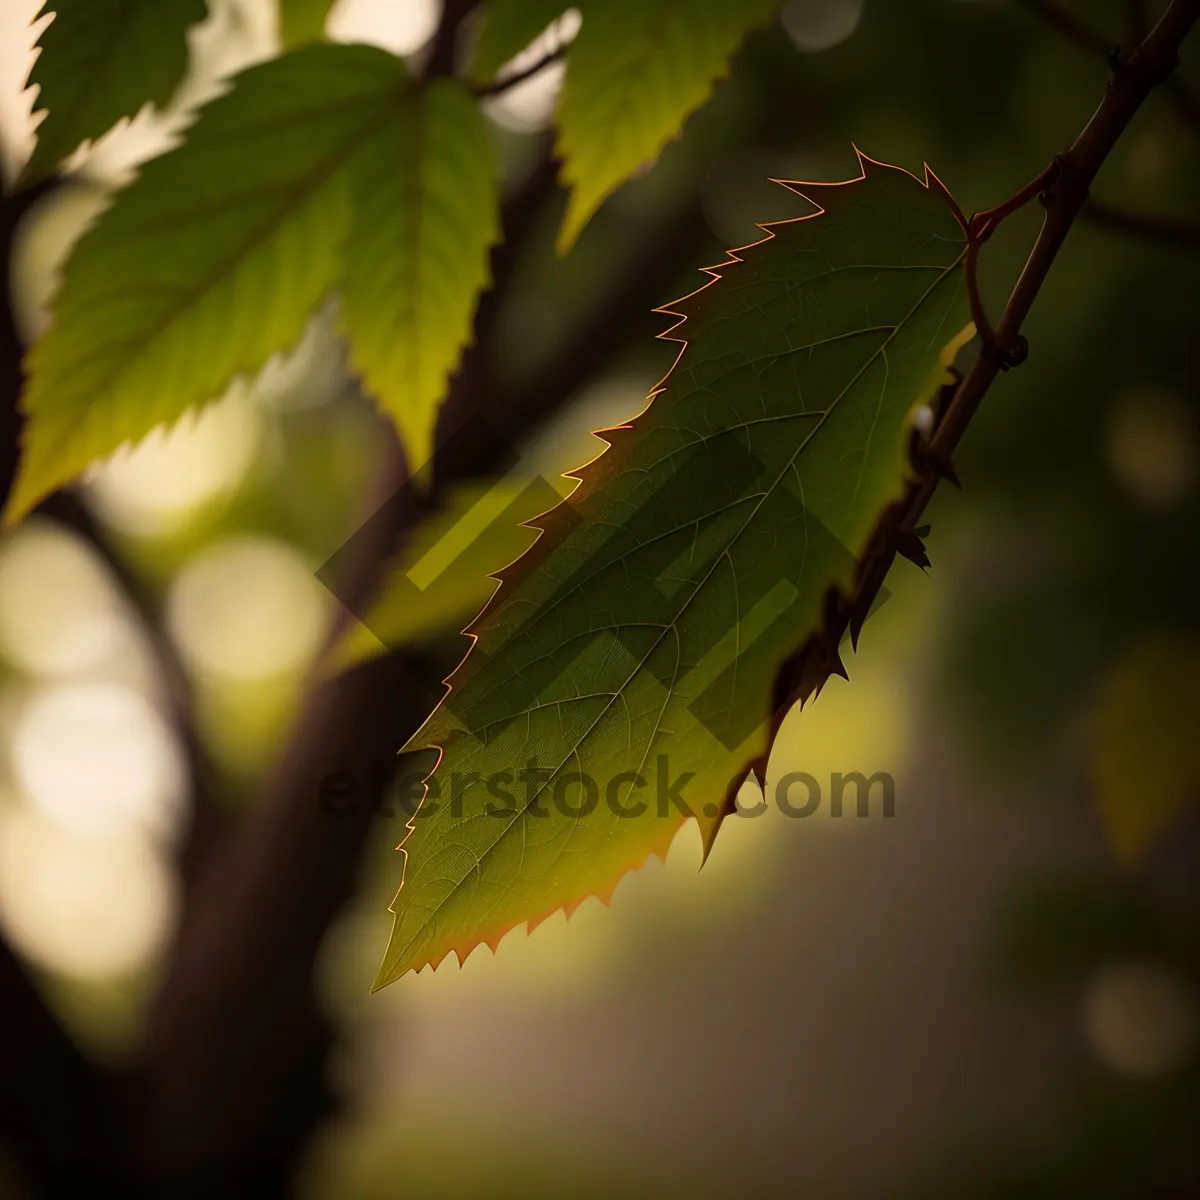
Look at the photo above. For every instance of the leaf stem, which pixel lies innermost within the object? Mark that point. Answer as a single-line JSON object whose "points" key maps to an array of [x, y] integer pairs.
{"points": [[984, 224], [1186, 102], [981, 227], [1064, 199]]}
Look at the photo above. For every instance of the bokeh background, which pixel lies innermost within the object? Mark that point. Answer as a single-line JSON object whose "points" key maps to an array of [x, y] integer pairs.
{"points": [[992, 993]]}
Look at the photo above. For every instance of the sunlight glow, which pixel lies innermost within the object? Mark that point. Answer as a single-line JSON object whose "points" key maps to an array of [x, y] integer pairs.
{"points": [[1139, 1020], [155, 487], [17, 36], [247, 608], [98, 758], [401, 28], [815, 25], [86, 907], [59, 614]]}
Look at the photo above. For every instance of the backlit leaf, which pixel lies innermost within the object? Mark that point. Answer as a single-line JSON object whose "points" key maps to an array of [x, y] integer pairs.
{"points": [[102, 60], [642, 633], [213, 259], [636, 71], [426, 188]]}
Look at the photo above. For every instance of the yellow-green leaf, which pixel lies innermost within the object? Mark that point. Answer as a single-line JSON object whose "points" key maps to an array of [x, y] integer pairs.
{"points": [[325, 168], [426, 196], [102, 60], [635, 72], [1146, 765], [629, 658]]}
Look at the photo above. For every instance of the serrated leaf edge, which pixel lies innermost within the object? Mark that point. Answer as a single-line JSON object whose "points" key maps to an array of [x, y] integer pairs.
{"points": [[543, 523]]}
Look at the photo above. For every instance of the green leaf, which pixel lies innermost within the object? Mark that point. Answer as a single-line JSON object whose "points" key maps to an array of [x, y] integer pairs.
{"points": [[302, 21], [1147, 760], [207, 263], [102, 60], [428, 210], [214, 258], [506, 28], [643, 632], [636, 71]]}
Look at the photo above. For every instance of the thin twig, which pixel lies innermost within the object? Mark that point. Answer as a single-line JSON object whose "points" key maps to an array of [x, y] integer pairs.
{"points": [[984, 224], [1149, 65], [1185, 100], [500, 86], [806, 672]]}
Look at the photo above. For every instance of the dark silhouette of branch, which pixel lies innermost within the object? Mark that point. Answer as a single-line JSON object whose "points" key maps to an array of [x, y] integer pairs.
{"points": [[238, 1044], [444, 47], [1186, 102], [60, 1115], [898, 532], [502, 85], [1154, 227]]}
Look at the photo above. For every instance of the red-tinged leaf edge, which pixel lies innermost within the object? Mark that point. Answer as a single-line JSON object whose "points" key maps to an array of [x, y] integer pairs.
{"points": [[816, 660]]}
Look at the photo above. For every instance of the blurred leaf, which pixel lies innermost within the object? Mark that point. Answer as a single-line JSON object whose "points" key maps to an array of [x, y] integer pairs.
{"points": [[636, 71], [506, 28], [426, 187], [1147, 760], [102, 60], [643, 632], [302, 21], [215, 256]]}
